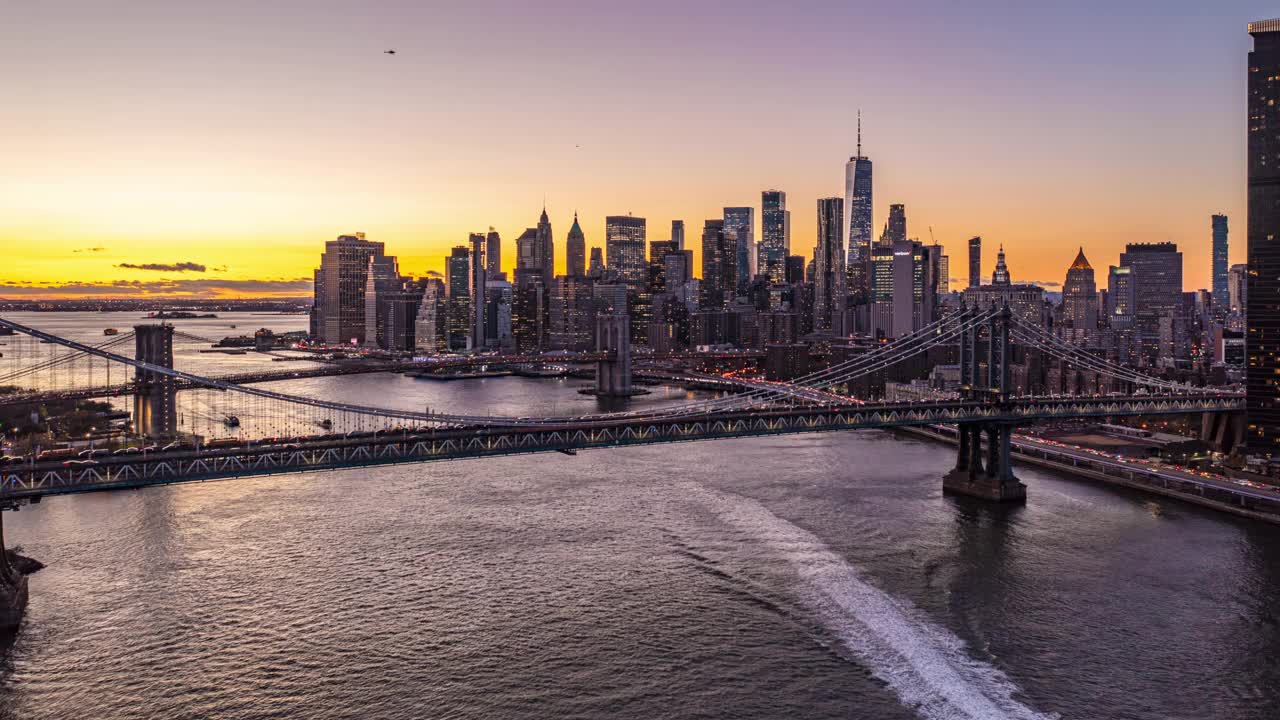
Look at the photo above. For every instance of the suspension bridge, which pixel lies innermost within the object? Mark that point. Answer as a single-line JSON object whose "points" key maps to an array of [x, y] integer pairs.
{"points": [[190, 435]]}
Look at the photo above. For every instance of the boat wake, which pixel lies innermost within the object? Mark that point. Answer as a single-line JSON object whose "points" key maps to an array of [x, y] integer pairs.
{"points": [[926, 666]]}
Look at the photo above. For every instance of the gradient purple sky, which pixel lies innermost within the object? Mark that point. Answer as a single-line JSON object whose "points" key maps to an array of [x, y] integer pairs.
{"points": [[243, 134]]}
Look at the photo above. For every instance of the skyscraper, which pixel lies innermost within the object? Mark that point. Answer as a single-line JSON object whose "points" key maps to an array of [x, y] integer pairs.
{"points": [[457, 276], [741, 221], [944, 271], [828, 267], [1156, 270], [477, 335], [858, 211], [575, 248], [1080, 301], [596, 268], [1262, 301], [975, 262], [546, 249], [429, 326], [775, 234], [493, 255], [1237, 281], [381, 280], [895, 228], [1221, 296], [719, 265], [530, 306], [340, 306], [624, 246], [1120, 299], [625, 254], [658, 252]]}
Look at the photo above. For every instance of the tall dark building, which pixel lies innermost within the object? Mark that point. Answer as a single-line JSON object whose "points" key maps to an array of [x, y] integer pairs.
{"points": [[339, 312], [658, 252], [719, 266], [741, 221], [596, 268], [975, 262], [828, 266], [677, 233], [895, 228], [575, 250], [477, 311], [546, 249], [1221, 296], [858, 226], [1079, 302], [624, 246], [493, 255], [795, 270], [775, 234], [624, 252], [1157, 290], [1262, 296], [457, 277]]}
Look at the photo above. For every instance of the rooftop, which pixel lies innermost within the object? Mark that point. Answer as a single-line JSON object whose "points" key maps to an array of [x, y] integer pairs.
{"points": [[1264, 26]]}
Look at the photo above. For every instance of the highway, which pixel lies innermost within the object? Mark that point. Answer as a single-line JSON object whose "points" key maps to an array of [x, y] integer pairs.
{"points": [[1147, 467]]}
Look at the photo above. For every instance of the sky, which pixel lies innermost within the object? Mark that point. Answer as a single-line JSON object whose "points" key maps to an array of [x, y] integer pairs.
{"points": [[210, 149]]}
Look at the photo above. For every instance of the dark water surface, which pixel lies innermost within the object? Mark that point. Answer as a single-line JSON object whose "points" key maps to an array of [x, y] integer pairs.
{"points": [[815, 576], [812, 576]]}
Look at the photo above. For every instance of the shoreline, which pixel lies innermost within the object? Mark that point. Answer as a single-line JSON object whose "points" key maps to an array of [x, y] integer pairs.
{"points": [[1020, 455]]}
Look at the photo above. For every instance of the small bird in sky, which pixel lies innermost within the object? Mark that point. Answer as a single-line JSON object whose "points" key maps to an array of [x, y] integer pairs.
{"points": [[388, 52]]}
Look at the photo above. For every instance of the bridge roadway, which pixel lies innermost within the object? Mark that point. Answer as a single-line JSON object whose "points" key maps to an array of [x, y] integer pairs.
{"points": [[34, 479], [360, 367]]}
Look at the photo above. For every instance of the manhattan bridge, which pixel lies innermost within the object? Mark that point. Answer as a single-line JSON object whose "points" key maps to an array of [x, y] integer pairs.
{"points": [[193, 420]]}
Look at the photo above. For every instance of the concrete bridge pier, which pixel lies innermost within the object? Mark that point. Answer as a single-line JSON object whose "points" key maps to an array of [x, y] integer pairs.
{"points": [[997, 481], [155, 397]]}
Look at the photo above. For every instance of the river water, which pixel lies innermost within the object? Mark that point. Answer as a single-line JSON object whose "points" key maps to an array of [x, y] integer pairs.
{"points": [[808, 576]]}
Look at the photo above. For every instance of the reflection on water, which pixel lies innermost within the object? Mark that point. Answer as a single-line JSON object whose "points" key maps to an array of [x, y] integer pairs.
{"points": [[802, 576]]}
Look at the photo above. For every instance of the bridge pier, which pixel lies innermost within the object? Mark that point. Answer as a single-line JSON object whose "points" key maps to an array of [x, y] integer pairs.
{"points": [[155, 396], [997, 481]]}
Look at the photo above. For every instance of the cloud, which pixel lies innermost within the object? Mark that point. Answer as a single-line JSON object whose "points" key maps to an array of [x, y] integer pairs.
{"points": [[185, 288], [165, 267], [433, 274], [1046, 283], [90, 250]]}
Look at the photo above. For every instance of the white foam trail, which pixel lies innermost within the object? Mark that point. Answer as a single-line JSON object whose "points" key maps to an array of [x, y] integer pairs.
{"points": [[926, 665]]}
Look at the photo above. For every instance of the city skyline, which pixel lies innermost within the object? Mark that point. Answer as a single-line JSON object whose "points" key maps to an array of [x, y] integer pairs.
{"points": [[244, 179]]}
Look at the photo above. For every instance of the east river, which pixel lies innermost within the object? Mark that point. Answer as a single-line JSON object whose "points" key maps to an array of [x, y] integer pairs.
{"points": [[812, 576]]}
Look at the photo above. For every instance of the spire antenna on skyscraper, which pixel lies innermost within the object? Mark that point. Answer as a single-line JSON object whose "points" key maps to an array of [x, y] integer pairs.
{"points": [[859, 132]]}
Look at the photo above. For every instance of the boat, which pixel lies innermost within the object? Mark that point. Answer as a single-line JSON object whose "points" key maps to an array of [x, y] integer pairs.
{"points": [[111, 331], [231, 421], [326, 424]]}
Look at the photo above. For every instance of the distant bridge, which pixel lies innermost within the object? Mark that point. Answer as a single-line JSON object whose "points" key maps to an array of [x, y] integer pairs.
{"points": [[358, 435]]}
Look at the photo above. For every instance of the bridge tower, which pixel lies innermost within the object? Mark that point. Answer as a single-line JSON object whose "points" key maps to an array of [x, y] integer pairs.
{"points": [[613, 373], [994, 479], [155, 397]]}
